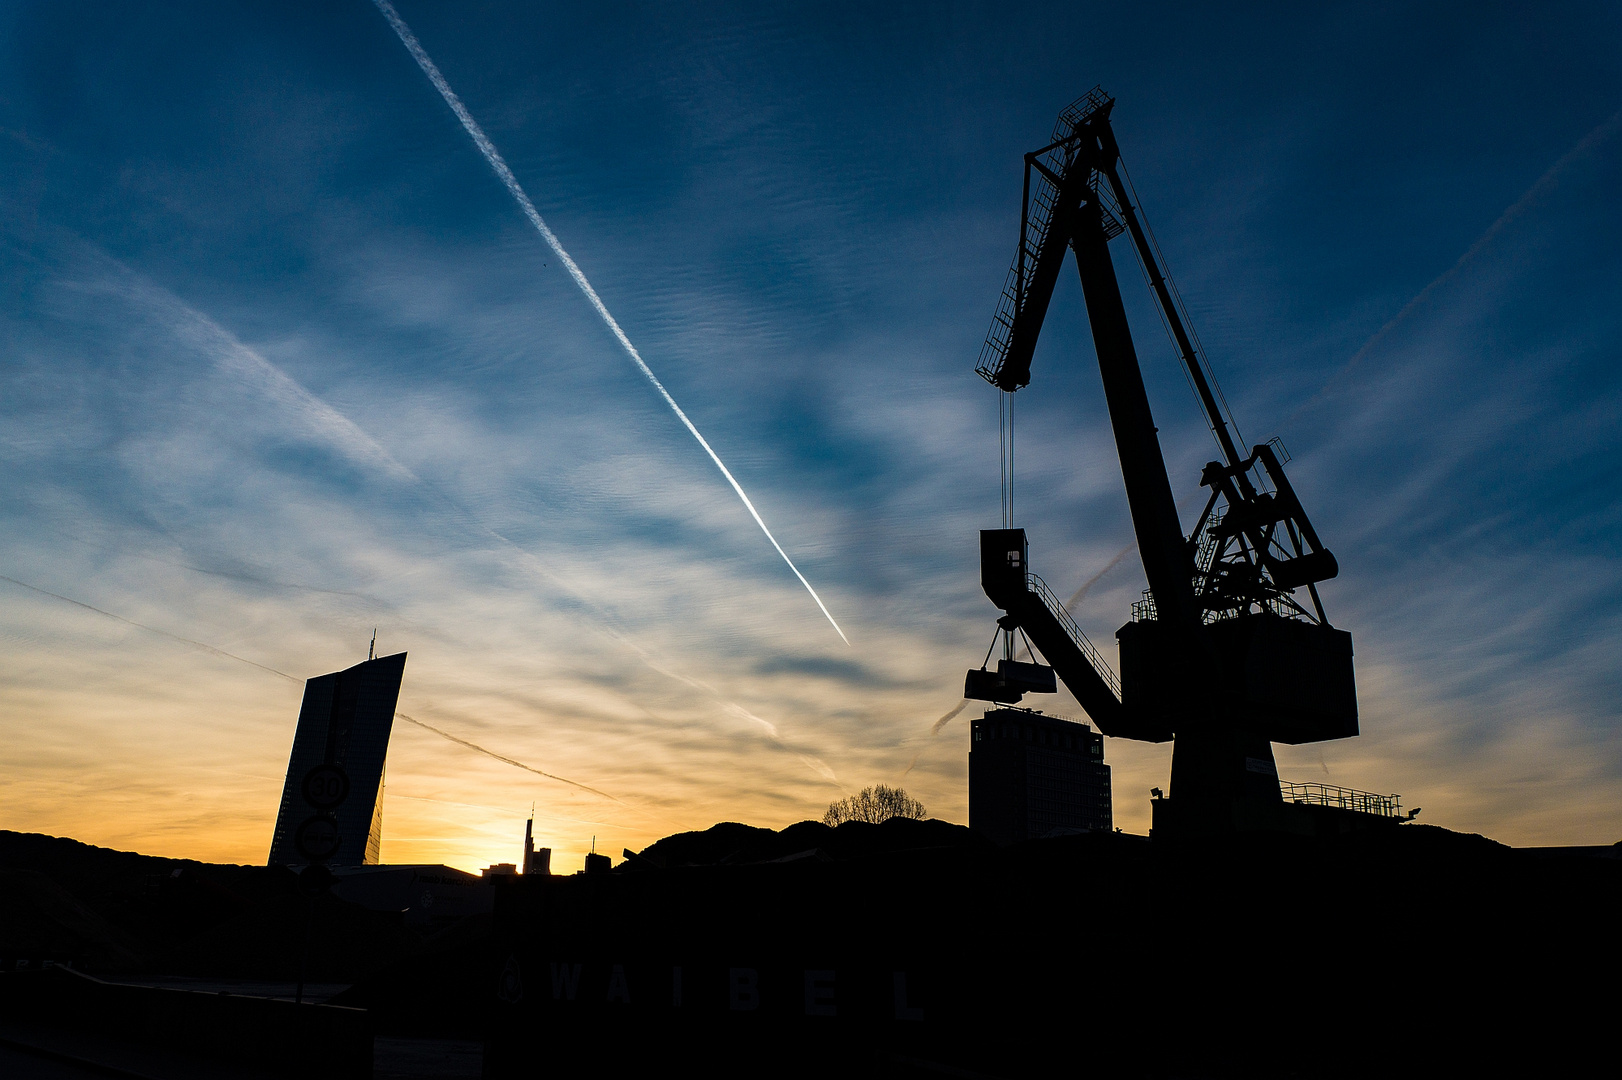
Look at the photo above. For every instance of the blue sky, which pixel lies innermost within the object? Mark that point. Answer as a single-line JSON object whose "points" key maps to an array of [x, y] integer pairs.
{"points": [[281, 361]]}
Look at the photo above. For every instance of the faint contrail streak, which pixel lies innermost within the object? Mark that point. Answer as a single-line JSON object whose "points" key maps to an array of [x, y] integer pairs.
{"points": [[499, 165], [149, 629], [1087, 586], [236, 360], [1543, 186], [459, 741], [935, 729]]}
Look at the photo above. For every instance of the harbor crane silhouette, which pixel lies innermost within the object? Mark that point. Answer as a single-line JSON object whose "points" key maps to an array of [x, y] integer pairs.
{"points": [[1224, 655]]}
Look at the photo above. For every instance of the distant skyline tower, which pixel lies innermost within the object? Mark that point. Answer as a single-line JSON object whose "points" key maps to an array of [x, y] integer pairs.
{"points": [[536, 861], [344, 724]]}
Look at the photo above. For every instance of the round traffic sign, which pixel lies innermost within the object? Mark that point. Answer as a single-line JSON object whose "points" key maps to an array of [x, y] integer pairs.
{"points": [[326, 787], [317, 838]]}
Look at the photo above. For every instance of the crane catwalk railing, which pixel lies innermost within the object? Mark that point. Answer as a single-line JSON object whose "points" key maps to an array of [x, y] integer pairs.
{"points": [[1076, 113], [995, 349], [1040, 588], [1364, 802]]}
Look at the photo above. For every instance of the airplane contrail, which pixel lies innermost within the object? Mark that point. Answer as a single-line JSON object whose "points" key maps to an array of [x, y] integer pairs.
{"points": [[499, 166], [1544, 185], [150, 629], [935, 729], [459, 741]]}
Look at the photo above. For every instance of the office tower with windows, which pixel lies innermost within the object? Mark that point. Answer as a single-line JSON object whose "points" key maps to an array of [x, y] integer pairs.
{"points": [[1032, 775]]}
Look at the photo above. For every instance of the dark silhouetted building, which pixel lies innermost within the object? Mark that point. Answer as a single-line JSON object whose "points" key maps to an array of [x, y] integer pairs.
{"points": [[1031, 775], [344, 724]]}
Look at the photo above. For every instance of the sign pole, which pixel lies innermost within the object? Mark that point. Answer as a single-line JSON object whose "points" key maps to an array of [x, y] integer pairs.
{"points": [[304, 950], [325, 788]]}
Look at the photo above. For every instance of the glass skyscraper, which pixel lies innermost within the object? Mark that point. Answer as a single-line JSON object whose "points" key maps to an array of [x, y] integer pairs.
{"points": [[343, 730]]}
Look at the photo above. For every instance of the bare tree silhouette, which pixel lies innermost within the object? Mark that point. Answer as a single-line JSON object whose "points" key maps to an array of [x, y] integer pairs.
{"points": [[874, 804]]}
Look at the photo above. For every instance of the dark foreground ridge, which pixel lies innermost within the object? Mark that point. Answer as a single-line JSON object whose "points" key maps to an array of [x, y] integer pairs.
{"points": [[1411, 951], [116, 913], [906, 949]]}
